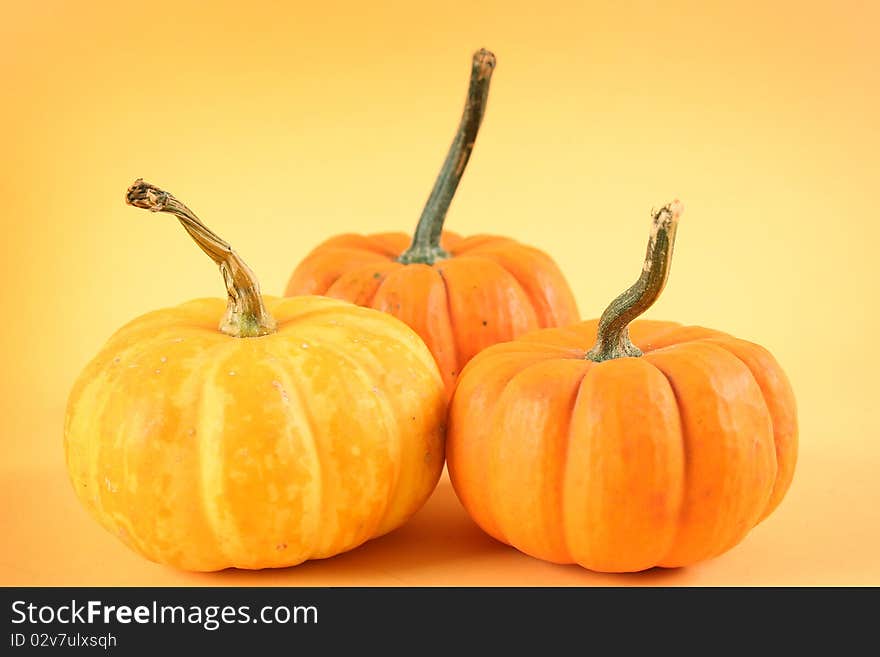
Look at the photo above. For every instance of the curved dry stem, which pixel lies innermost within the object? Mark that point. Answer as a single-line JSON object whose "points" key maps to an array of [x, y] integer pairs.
{"points": [[613, 340], [246, 315]]}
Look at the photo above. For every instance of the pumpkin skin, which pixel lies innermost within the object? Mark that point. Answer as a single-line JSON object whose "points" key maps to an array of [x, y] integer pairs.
{"points": [[492, 289], [662, 460], [205, 451]]}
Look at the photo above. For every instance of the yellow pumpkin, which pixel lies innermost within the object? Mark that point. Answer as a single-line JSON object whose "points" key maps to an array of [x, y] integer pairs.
{"points": [[298, 429]]}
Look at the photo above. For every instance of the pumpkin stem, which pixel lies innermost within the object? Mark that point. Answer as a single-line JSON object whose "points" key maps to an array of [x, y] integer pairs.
{"points": [[246, 316], [612, 340], [425, 247]]}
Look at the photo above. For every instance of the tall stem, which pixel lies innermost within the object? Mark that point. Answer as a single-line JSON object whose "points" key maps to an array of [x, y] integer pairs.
{"points": [[425, 247], [612, 340], [246, 316]]}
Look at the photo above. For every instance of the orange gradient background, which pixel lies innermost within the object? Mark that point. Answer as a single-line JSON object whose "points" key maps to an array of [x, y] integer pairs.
{"points": [[281, 124]]}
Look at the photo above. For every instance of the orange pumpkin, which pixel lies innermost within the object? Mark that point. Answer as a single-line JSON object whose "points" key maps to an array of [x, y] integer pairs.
{"points": [[298, 429], [663, 445], [459, 294]]}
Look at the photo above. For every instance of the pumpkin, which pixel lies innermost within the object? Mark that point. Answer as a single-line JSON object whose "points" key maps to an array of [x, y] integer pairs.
{"points": [[459, 294], [254, 433], [663, 445]]}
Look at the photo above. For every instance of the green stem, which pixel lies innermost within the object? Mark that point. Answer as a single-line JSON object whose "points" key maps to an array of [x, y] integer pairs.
{"points": [[425, 247], [246, 316], [612, 340]]}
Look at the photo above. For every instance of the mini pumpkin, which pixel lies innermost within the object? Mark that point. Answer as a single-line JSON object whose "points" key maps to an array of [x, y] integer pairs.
{"points": [[259, 435], [459, 294], [661, 446]]}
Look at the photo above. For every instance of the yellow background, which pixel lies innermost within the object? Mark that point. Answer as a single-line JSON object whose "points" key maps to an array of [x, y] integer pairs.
{"points": [[283, 123]]}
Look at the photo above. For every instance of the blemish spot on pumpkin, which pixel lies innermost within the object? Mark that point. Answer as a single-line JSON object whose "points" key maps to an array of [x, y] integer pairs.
{"points": [[163, 359], [485, 323], [280, 388], [427, 457], [281, 546], [117, 359], [191, 432], [376, 389], [377, 275]]}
